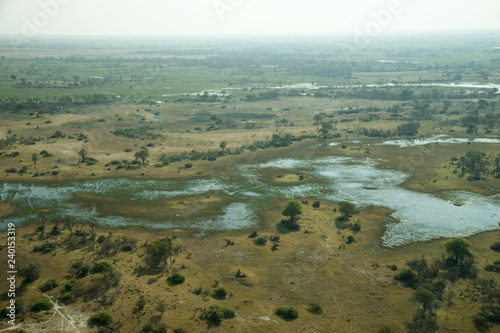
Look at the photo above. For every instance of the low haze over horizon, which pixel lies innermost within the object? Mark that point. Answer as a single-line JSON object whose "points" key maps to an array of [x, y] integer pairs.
{"points": [[32, 18]]}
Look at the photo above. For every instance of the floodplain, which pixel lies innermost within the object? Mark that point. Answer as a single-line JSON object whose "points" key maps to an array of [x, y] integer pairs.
{"points": [[109, 152]]}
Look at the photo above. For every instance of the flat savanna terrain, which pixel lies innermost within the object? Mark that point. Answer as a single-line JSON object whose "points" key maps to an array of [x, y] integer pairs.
{"points": [[187, 112]]}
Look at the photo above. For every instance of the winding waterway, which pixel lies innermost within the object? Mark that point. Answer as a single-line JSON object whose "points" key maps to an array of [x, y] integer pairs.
{"points": [[421, 216]]}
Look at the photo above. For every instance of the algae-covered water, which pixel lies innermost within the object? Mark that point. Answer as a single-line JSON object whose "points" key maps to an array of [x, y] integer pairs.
{"points": [[421, 216]]}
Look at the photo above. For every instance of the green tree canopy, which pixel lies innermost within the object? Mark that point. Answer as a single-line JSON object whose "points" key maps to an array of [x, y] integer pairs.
{"points": [[459, 248], [347, 209], [158, 251], [292, 209], [425, 298], [223, 145], [101, 318], [34, 159], [83, 154], [318, 117], [29, 272], [142, 154]]}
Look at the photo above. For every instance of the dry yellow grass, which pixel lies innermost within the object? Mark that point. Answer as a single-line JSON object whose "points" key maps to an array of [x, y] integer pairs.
{"points": [[351, 282], [7, 208]]}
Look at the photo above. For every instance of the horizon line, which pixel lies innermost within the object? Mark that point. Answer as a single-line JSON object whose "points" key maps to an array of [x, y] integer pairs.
{"points": [[260, 35]]}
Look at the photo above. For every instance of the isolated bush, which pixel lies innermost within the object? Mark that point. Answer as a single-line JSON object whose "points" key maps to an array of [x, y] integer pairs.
{"points": [[495, 246], [48, 285], [103, 329], [356, 227], [176, 278], [489, 314], [408, 277], [148, 327], [19, 309], [70, 285], [287, 312], [100, 284], [101, 318], [126, 248], [261, 241], [459, 248], [315, 308], [44, 248], [220, 292], [14, 154], [107, 246], [101, 266], [42, 304], [128, 244], [290, 224], [347, 209], [91, 160], [4, 312], [188, 165], [79, 269], [29, 272], [55, 231], [466, 270], [141, 303], [65, 298], [162, 327], [495, 267], [253, 234], [316, 204], [350, 239], [215, 314], [423, 269], [179, 330], [228, 312], [82, 233], [481, 323], [292, 209]]}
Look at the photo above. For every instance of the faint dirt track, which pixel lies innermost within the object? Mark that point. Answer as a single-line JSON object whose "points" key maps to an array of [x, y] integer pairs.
{"points": [[63, 319]]}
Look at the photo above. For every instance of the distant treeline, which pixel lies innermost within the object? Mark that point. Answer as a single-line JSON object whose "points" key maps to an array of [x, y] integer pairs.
{"points": [[36, 104], [406, 129], [477, 165], [277, 140], [380, 94]]}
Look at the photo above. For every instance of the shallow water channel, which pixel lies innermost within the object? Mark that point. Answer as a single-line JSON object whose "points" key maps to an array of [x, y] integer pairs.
{"points": [[421, 216]]}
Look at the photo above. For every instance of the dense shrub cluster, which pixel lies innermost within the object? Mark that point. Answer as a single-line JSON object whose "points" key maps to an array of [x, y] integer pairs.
{"points": [[287, 312]]}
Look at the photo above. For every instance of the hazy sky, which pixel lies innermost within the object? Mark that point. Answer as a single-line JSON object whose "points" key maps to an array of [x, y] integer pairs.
{"points": [[202, 17]]}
